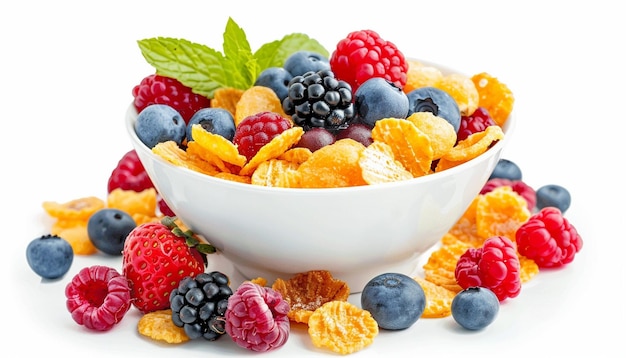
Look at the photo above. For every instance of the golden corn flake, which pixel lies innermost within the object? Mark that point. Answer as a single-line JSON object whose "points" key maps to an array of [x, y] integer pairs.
{"points": [[441, 133], [501, 212], [158, 325], [144, 219], [257, 99], [528, 268], [470, 148], [379, 166], [234, 177], [441, 264], [465, 228], [78, 209], [171, 152], [274, 172], [261, 281], [438, 299], [274, 148], [226, 98], [342, 327], [78, 238], [494, 96], [195, 149], [419, 75], [218, 145], [296, 155], [462, 89], [333, 166], [132, 202]]}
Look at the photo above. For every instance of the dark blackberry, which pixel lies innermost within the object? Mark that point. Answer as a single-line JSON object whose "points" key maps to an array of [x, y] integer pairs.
{"points": [[199, 305], [319, 99]]}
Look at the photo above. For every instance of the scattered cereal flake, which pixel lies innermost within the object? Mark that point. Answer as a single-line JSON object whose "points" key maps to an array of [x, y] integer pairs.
{"points": [[218, 145], [77, 209], [501, 212], [378, 165], [158, 325], [132, 202], [494, 96], [438, 299], [441, 264], [78, 238], [528, 268], [274, 148]]}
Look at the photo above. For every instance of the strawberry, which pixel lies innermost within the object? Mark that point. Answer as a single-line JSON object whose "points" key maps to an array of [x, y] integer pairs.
{"points": [[156, 256]]}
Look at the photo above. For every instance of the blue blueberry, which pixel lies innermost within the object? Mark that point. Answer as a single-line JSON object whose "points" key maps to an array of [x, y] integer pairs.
{"points": [[276, 78], [107, 229], [378, 98], [475, 307], [301, 62], [436, 101], [506, 169], [394, 300], [213, 120], [555, 196], [160, 123], [49, 256]]}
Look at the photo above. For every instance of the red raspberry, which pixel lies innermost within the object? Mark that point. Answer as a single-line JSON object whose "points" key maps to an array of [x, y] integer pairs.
{"points": [[256, 130], [129, 174], [363, 55], [98, 297], [474, 123], [495, 266], [156, 89], [548, 238], [256, 318], [518, 186]]}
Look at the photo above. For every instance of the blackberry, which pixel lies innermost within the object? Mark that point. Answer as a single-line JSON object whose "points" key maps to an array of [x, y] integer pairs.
{"points": [[319, 99], [199, 305]]}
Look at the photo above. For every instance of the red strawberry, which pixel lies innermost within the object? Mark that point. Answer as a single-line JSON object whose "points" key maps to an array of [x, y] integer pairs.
{"points": [[156, 257]]}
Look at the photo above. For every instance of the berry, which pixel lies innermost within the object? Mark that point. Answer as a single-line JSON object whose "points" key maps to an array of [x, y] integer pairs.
{"points": [[256, 318], [164, 208], [395, 300], [159, 123], [276, 78], [257, 130], [378, 98], [548, 238], [495, 266], [107, 229], [506, 169], [316, 138], [520, 187], [360, 132], [301, 62], [213, 120], [49, 256], [156, 256], [155, 89], [129, 174], [436, 101], [199, 303], [553, 195], [98, 297], [363, 55], [474, 123], [318, 99], [475, 308]]}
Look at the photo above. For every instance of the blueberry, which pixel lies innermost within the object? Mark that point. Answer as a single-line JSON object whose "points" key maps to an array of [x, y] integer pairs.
{"points": [[276, 78], [378, 98], [213, 120], [49, 256], [506, 169], [553, 195], [394, 300], [107, 229], [475, 307], [436, 101], [159, 123], [301, 62]]}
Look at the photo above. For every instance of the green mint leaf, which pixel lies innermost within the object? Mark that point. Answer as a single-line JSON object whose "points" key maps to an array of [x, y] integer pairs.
{"points": [[239, 60], [274, 54]]}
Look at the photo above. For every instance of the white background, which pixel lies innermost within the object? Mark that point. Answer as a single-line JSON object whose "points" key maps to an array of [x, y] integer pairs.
{"points": [[67, 70]]}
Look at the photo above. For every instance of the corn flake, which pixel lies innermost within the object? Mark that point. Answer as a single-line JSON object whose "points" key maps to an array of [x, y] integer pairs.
{"points": [[273, 149], [158, 325], [438, 299], [379, 166], [333, 166]]}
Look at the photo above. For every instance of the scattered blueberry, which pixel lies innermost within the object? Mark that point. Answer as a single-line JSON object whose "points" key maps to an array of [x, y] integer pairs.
{"points": [[213, 120], [475, 307], [107, 229], [394, 300], [378, 98], [436, 101], [553, 195], [159, 123], [49, 256], [276, 78], [301, 62], [506, 169]]}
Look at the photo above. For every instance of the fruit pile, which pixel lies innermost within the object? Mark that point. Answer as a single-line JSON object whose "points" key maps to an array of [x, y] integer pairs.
{"points": [[504, 238]]}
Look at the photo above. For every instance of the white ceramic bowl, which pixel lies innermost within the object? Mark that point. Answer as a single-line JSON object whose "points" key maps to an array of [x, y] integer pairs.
{"points": [[356, 233]]}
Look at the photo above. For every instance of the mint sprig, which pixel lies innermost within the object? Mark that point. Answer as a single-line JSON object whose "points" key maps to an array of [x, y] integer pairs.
{"points": [[204, 69]]}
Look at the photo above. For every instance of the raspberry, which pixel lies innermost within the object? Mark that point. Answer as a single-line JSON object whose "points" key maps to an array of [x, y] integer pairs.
{"points": [[363, 55], [474, 123], [548, 239], [256, 318], [156, 89], [129, 174], [495, 266], [520, 187], [257, 130], [98, 297]]}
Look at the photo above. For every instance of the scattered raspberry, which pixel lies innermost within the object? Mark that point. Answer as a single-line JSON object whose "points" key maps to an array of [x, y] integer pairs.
{"points": [[256, 318], [156, 89], [129, 174], [520, 187], [495, 266], [164, 208], [98, 297], [363, 55], [257, 130], [548, 239], [474, 123]]}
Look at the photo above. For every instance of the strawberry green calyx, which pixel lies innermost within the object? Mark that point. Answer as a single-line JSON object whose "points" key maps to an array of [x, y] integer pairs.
{"points": [[191, 239]]}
